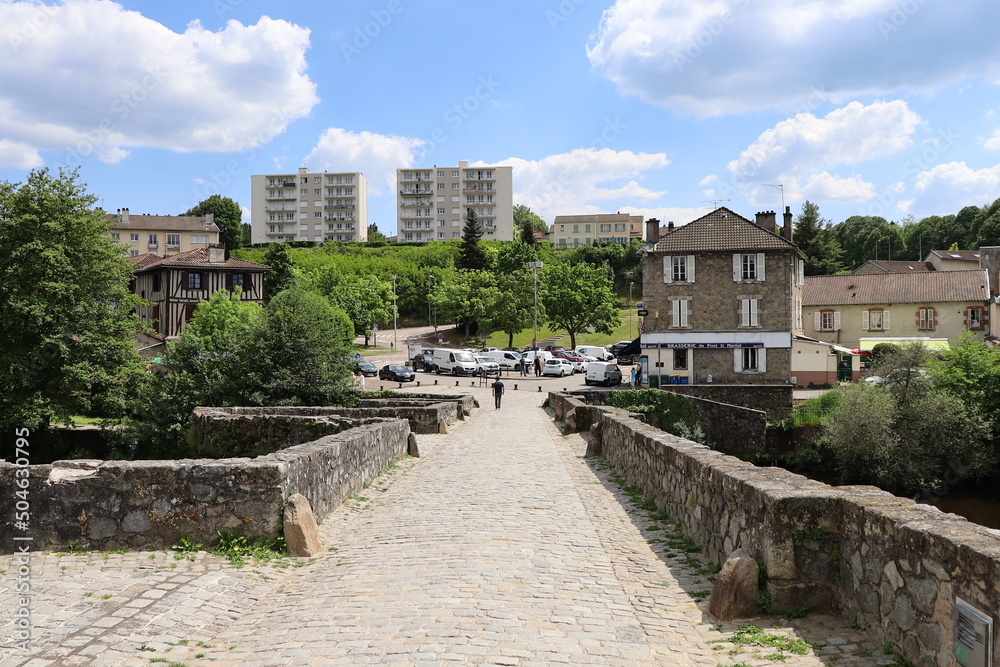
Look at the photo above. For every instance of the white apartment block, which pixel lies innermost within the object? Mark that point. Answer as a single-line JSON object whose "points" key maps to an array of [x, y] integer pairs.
{"points": [[320, 206], [432, 203]]}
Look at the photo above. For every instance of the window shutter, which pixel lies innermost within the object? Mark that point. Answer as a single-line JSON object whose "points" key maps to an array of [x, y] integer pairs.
{"points": [[737, 268], [836, 321], [690, 268], [800, 272], [762, 359], [737, 360], [817, 325], [754, 312], [668, 269], [675, 313], [744, 312], [229, 282], [864, 320], [885, 320], [760, 266], [684, 312]]}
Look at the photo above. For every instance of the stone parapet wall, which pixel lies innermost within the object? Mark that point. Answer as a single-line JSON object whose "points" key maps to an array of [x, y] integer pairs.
{"points": [[151, 504], [757, 396], [894, 565]]}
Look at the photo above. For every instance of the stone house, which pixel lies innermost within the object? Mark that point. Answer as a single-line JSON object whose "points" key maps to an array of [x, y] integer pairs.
{"points": [[162, 235], [723, 298], [174, 286], [861, 310]]}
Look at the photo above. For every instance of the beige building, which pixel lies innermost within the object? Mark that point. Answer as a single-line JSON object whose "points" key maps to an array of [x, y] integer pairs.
{"points": [[431, 204], [162, 235], [859, 311], [722, 297], [308, 206], [570, 231]]}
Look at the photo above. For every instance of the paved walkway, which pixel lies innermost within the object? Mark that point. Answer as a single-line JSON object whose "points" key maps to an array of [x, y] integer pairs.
{"points": [[502, 545]]}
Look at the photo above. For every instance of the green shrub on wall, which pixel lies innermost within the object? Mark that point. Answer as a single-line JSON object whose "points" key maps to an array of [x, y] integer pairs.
{"points": [[668, 412]]}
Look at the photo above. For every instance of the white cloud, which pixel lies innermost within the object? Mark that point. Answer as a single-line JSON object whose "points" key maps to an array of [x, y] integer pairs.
{"points": [[949, 187], [712, 57], [993, 143], [89, 77], [665, 214], [849, 135], [567, 183], [827, 187], [708, 180], [377, 156]]}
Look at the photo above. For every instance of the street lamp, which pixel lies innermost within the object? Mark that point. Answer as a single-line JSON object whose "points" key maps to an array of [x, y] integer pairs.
{"points": [[430, 288], [395, 343], [534, 266], [630, 309]]}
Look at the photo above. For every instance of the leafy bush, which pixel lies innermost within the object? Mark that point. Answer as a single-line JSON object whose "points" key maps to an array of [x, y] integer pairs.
{"points": [[668, 412]]}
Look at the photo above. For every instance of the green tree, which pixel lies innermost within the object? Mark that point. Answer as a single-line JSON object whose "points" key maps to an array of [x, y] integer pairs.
{"points": [[67, 316], [970, 369], [985, 229], [228, 218], [579, 297], [374, 235], [282, 273], [469, 299], [367, 300], [525, 217], [472, 256], [868, 237], [515, 307], [814, 238]]}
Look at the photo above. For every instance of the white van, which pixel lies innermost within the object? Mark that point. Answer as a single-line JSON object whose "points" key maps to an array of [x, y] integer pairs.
{"points": [[541, 354], [456, 362], [603, 372], [505, 358], [595, 351]]}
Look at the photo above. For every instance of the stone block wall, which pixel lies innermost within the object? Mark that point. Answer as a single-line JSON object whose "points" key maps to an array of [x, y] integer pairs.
{"points": [[894, 565], [759, 397]]}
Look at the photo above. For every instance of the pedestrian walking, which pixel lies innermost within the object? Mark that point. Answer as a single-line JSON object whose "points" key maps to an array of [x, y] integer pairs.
{"points": [[359, 378], [632, 379], [497, 392], [638, 377], [538, 365]]}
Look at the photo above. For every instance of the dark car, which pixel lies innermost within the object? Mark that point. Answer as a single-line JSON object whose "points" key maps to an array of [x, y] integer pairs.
{"points": [[395, 373], [424, 361], [367, 368], [554, 348]]}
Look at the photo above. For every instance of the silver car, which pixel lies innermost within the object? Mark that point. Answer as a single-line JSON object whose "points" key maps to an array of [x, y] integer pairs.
{"points": [[558, 366]]}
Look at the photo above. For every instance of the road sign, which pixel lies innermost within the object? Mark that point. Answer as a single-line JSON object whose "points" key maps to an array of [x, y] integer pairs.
{"points": [[639, 305], [642, 312]]}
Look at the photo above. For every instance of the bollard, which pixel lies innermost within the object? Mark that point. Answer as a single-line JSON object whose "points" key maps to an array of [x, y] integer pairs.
{"points": [[539, 387], [401, 386], [456, 383], [381, 388], [472, 384], [435, 382], [515, 387]]}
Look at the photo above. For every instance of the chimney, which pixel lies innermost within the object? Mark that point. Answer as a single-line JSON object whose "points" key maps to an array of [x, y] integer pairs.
{"points": [[216, 254], [787, 230], [767, 220], [652, 231], [124, 216]]}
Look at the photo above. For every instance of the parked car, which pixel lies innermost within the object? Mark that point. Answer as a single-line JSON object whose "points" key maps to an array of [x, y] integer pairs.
{"points": [[603, 372], [488, 349], [509, 359], [558, 367], [396, 373], [486, 364], [579, 363], [897, 377], [456, 362], [554, 348], [596, 351], [367, 368], [424, 361], [615, 348], [510, 349]]}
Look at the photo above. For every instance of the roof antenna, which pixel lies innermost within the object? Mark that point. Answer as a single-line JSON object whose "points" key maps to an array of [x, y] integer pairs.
{"points": [[714, 202], [781, 188]]}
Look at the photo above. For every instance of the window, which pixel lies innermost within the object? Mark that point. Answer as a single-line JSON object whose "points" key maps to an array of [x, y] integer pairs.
{"points": [[748, 267], [749, 312], [153, 241], [826, 320], [974, 318], [133, 237], [620, 227], [750, 359], [317, 179], [680, 360], [236, 280], [454, 173], [440, 210], [440, 186], [679, 311], [156, 282], [605, 228], [115, 235], [875, 319], [455, 186], [576, 229], [194, 281], [678, 269], [926, 318], [317, 191], [304, 192], [173, 240], [134, 253]]}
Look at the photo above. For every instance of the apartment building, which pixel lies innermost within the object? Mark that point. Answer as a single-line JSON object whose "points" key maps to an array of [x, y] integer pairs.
{"points": [[308, 206], [570, 231], [431, 204], [162, 235]]}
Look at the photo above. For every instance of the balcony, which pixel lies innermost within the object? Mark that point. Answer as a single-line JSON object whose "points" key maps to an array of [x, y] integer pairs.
{"points": [[416, 202], [331, 207], [415, 191], [477, 188]]}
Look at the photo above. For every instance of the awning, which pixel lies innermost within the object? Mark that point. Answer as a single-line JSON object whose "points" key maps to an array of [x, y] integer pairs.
{"points": [[631, 349], [937, 344]]}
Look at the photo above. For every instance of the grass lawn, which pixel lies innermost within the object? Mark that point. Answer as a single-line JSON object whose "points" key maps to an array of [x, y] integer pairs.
{"points": [[80, 420], [523, 339]]}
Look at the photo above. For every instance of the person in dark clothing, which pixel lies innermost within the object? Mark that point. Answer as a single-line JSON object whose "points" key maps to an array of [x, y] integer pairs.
{"points": [[497, 392], [538, 366]]}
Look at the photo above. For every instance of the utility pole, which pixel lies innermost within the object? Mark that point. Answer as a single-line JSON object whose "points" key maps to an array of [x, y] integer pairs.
{"points": [[534, 266], [395, 343], [630, 309]]}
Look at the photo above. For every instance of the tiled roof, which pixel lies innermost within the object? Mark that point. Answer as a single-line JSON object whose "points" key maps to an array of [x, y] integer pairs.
{"points": [[721, 230], [893, 266], [958, 255], [193, 259], [174, 223], [597, 217], [885, 288]]}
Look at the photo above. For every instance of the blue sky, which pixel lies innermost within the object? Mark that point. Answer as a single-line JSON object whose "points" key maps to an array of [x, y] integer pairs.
{"points": [[658, 107]]}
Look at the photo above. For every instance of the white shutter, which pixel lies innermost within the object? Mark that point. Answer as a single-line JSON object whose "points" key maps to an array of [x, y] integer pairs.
{"points": [[800, 272], [762, 359], [744, 312], [668, 269], [885, 320], [675, 313], [864, 320], [760, 266], [817, 324], [737, 268], [684, 312], [754, 312], [737, 360], [690, 268], [836, 321]]}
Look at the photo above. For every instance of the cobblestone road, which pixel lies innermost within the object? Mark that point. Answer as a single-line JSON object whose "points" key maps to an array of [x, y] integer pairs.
{"points": [[502, 545]]}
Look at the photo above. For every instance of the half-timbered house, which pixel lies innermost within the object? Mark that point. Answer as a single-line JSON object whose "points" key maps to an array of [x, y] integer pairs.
{"points": [[174, 286]]}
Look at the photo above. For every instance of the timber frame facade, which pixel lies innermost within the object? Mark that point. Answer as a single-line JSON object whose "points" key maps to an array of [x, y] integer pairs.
{"points": [[174, 286]]}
